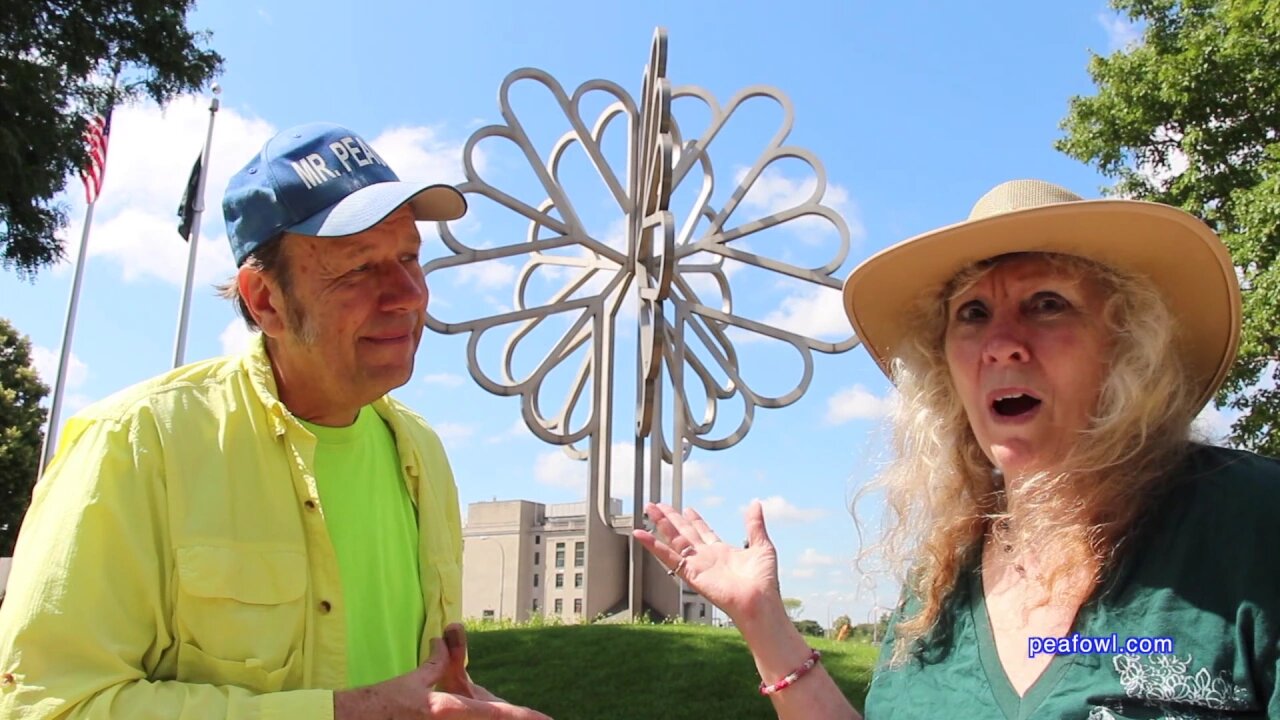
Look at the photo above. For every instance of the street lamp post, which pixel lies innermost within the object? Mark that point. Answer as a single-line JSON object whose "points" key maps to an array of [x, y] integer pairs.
{"points": [[502, 571]]}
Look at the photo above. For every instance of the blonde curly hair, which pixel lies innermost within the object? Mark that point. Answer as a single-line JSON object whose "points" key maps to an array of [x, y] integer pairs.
{"points": [[942, 495]]}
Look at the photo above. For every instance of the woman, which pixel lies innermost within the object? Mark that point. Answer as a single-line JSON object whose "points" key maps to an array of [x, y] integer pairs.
{"points": [[1050, 355]]}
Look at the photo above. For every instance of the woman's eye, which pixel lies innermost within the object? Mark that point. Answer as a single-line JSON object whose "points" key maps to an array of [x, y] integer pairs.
{"points": [[972, 311], [1049, 303]]}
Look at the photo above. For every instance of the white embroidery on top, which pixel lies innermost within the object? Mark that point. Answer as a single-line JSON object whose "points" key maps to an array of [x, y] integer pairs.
{"points": [[1167, 680]]}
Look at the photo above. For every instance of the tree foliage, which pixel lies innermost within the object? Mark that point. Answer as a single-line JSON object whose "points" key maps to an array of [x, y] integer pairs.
{"points": [[809, 627], [1190, 116], [793, 606], [21, 431], [57, 61]]}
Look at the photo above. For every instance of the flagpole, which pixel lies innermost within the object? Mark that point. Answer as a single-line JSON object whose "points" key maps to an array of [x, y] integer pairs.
{"points": [[180, 344], [68, 329], [69, 326]]}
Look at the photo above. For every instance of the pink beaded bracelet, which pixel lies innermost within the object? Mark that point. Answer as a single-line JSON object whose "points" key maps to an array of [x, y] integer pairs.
{"points": [[794, 675]]}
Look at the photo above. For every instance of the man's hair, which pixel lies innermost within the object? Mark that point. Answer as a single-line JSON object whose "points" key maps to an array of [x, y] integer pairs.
{"points": [[942, 494], [268, 259]]}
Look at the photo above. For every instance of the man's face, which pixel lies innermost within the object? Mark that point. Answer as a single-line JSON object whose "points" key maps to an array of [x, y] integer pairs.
{"points": [[352, 317]]}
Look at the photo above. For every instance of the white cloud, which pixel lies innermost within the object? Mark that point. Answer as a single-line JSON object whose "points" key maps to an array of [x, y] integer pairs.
{"points": [[778, 509], [491, 274], [856, 403], [803, 573], [816, 312], [446, 379], [453, 433], [517, 430], [711, 501], [812, 558], [1213, 425], [556, 469], [419, 153], [1121, 34], [149, 162], [773, 192], [236, 337], [46, 362], [1161, 172]]}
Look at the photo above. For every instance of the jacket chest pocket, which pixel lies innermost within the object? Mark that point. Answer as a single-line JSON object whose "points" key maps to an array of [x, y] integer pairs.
{"points": [[241, 614]]}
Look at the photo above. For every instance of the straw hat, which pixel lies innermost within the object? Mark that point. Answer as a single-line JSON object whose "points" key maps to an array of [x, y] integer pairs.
{"points": [[1175, 250]]}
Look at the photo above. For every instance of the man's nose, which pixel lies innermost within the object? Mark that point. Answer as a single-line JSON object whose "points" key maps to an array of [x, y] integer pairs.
{"points": [[403, 287]]}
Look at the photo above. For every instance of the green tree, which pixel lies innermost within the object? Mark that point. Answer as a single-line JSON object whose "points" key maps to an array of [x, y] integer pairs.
{"points": [[21, 431], [809, 627], [1190, 116], [840, 622], [57, 60], [793, 606]]}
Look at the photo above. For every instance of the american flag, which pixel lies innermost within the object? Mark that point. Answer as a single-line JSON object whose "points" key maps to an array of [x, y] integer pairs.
{"points": [[96, 135]]}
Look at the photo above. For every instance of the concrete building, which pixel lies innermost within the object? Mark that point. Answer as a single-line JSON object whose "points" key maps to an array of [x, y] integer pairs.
{"points": [[522, 558]]}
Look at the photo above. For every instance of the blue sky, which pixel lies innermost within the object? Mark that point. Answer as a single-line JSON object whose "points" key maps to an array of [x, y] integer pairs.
{"points": [[915, 109]]}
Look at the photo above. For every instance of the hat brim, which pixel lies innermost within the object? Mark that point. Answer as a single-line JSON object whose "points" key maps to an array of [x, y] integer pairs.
{"points": [[370, 205], [1176, 251]]}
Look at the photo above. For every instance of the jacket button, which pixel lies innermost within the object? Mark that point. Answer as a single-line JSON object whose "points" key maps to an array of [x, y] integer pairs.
{"points": [[7, 679], [325, 607], [311, 504]]}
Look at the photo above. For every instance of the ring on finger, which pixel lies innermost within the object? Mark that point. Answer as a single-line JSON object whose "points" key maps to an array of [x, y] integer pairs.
{"points": [[679, 566]]}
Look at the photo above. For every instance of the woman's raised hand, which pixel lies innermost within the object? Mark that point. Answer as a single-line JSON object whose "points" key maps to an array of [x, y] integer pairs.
{"points": [[739, 581]]}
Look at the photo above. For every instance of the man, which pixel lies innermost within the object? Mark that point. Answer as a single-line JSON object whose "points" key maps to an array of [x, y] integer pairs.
{"points": [[265, 536]]}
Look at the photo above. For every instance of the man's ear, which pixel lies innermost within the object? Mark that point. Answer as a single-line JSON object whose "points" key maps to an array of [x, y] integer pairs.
{"points": [[263, 297]]}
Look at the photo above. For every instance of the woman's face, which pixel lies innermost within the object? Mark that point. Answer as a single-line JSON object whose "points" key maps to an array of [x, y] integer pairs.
{"points": [[1028, 349]]}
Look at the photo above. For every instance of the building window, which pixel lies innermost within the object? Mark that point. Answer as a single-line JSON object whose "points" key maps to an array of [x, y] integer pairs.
{"points": [[535, 579], [579, 554], [559, 605], [537, 558], [577, 580], [702, 610], [537, 539], [577, 605], [535, 604], [559, 580], [559, 555], [487, 614]]}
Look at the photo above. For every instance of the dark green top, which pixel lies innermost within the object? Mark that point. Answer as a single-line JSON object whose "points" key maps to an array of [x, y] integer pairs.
{"points": [[1202, 570]]}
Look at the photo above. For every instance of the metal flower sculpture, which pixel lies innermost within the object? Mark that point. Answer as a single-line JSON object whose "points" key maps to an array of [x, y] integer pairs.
{"points": [[676, 269]]}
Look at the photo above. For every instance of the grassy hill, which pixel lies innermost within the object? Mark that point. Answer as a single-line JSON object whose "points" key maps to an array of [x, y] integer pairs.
{"points": [[619, 672]]}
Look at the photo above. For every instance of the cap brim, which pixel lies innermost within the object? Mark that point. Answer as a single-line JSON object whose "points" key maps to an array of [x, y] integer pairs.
{"points": [[370, 205], [1176, 251]]}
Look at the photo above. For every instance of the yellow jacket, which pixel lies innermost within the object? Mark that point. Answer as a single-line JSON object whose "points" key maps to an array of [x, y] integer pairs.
{"points": [[175, 562]]}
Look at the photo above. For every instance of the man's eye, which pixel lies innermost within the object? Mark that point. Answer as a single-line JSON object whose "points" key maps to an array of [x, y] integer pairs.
{"points": [[972, 311], [360, 268], [410, 258]]}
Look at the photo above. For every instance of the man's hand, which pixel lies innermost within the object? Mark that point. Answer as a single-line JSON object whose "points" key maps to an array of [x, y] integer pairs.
{"points": [[456, 680], [413, 696]]}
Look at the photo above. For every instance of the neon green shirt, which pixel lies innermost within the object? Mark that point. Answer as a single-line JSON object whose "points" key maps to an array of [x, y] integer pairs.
{"points": [[371, 523], [175, 562]]}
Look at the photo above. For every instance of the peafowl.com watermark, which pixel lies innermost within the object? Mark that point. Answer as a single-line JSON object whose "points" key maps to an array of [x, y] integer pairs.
{"points": [[1076, 644]]}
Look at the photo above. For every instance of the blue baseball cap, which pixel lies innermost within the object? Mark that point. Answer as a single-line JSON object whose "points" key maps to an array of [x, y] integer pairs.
{"points": [[323, 180]]}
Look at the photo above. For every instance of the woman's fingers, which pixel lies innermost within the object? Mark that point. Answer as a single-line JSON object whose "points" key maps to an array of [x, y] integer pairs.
{"points": [[668, 557], [756, 533], [704, 530], [681, 531]]}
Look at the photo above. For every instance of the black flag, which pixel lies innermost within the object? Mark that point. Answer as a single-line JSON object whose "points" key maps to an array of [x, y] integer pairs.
{"points": [[187, 210]]}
